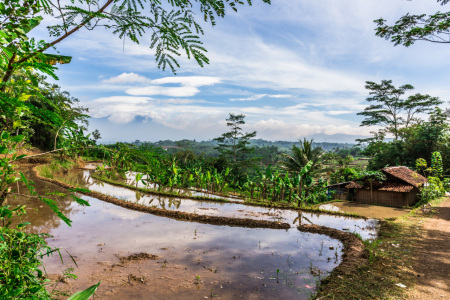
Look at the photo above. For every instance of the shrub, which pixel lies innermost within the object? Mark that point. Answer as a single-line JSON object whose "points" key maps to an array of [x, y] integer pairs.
{"points": [[433, 190], [20, 254]]}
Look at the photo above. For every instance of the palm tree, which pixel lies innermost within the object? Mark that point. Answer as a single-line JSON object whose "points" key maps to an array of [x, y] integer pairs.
{"points": [[300, 157]]}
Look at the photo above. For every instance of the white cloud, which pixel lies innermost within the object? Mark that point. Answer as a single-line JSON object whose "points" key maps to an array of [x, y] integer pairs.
{"points": [[183, 91], [251, 98], [260, 96], [189, 84], [127, 78], [339, 112], [193, 81], [274, 129], [280, 96]]}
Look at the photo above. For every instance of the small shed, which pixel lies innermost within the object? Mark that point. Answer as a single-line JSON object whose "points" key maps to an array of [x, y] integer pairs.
{"points": [[339, 190], [400, 189]]}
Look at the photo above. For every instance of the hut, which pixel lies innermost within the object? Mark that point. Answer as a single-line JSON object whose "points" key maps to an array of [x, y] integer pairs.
{"points": [[400, 189], [339, 190]]}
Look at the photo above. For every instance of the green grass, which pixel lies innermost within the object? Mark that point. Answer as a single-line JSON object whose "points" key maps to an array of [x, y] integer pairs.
{"points": [[54, 167]]}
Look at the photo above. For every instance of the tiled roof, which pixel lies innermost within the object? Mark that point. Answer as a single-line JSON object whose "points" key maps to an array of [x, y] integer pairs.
{"points": [[354, 185], [407, 175], [396, 187]]}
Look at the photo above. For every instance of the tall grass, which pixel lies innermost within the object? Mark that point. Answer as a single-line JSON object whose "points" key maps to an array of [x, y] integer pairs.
{"points": [[55, 166]]}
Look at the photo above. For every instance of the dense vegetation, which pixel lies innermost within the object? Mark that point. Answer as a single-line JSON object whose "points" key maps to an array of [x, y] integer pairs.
{"points": [[36, 113]]}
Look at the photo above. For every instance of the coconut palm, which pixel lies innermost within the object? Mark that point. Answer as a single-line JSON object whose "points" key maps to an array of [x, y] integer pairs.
{"points": [[301, 156]]}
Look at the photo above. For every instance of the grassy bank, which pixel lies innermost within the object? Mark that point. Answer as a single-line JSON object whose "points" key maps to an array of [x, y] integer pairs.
{"points": [[55, 166], [389, 273]]}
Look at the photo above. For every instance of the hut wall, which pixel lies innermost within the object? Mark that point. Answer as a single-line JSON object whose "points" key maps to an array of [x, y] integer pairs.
{"points": [[395, 199], [411, 197]]}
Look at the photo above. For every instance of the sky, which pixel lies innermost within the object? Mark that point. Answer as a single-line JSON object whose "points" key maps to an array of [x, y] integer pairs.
{"points": [[294, 68]]}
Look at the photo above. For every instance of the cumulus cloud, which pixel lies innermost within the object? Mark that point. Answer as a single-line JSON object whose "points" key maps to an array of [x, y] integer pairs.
{"points": [[143, 86], [274, 129]]}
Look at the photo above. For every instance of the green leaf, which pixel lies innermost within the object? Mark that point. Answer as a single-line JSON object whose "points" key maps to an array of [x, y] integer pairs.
{"points": [[24, 97], [23, 224], [86, 294], [80, 201], [53, 59], [32, 23]]}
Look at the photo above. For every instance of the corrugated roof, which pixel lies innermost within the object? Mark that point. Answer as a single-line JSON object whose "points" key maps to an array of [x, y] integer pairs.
{"points": [[396, 187], [407, 175]]}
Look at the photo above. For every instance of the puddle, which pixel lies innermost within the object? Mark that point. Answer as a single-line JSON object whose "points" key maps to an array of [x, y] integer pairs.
{"points": [[366, 210]]}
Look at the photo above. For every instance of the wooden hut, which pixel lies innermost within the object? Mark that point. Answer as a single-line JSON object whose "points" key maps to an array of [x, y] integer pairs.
{"points": [[339, 190], [400, 189]]}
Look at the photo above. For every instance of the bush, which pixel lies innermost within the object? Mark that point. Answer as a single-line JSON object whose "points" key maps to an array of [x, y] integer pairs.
{"points": [[435, 189], [446, 183], [20, 254]]}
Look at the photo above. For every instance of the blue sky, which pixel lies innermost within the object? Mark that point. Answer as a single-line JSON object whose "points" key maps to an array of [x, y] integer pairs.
{"points": [[294, 68]]}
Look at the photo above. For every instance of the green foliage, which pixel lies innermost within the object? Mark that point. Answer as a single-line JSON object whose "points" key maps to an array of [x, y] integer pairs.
{"points": [[420, 141], [446, 184], [234, 144], [371, 247], [86, 294], [391, 111], [436, 164], [371, 176], [344, 174], [301, 156], [433, 190], [411, 28], [20, 259], [421, 165], [171, 27]]}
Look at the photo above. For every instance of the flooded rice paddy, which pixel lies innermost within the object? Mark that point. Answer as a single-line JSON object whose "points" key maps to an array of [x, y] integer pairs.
{"points": [[193, 260]]}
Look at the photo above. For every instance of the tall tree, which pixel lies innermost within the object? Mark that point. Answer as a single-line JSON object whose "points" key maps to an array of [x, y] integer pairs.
{"points": [[301, 155], [411, 28], [392, 111], [234, 144]]}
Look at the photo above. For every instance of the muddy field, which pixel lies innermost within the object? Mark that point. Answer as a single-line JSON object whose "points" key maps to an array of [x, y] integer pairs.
{"points": [[138, 255]]}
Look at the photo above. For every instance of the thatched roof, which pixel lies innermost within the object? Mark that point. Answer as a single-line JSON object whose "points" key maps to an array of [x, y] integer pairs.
{"points": [[407, 175]]}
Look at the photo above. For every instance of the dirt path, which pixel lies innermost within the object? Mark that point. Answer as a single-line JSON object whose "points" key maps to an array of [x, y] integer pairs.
{"points": [[433, 257]]}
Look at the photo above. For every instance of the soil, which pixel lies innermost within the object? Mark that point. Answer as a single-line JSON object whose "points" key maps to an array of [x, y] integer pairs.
{"points": [[432, 254]]}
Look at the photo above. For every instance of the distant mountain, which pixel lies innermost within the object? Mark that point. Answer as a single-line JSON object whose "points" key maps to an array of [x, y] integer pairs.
{"points": [[335, 138]]}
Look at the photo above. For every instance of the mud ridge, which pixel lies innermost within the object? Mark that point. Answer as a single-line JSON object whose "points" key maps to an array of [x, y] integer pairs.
{"points": [[178, 215], [354, 254]]}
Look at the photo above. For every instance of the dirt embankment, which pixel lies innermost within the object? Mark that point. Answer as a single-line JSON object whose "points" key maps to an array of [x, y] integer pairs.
{"points": [[354, 254], [179, 215]]}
